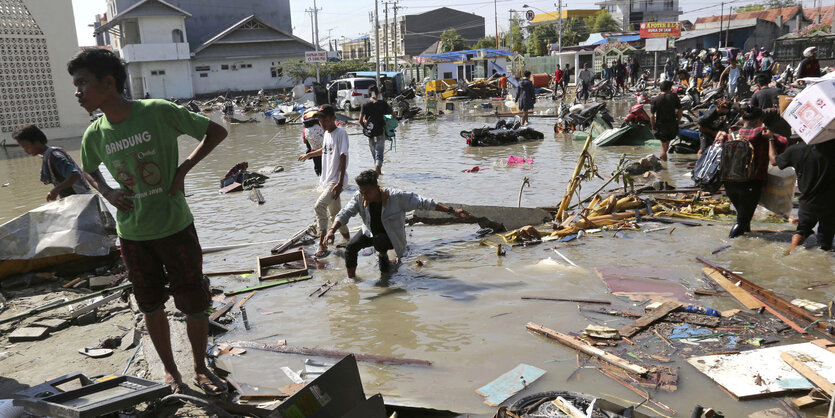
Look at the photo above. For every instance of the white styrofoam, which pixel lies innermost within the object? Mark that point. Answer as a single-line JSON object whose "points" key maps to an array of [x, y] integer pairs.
{"points": [[812, 112]]}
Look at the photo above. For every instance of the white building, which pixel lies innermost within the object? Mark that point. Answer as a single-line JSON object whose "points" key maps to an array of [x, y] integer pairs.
{"points": [[35, 44], [633, 12], [151, 37]]}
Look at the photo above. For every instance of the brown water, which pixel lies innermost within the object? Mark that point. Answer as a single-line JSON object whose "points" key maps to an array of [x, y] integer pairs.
{"points": [[462, 309]]}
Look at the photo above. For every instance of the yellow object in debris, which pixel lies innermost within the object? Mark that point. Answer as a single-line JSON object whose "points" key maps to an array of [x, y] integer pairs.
{"points": [[437, 86]]}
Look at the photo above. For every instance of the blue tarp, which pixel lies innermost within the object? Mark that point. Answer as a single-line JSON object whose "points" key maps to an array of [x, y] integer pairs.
{"points": [[465, 55], [622, 38]]}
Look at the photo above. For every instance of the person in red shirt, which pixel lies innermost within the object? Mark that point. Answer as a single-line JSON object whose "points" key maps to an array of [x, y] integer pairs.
{"points": [[558, 74]]}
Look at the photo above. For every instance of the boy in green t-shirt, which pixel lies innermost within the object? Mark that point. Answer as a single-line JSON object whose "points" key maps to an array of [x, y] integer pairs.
{"points": [[137, 142]]}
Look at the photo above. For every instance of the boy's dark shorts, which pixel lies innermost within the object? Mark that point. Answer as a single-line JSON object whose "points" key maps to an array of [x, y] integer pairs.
{"points": [[171, 265]]}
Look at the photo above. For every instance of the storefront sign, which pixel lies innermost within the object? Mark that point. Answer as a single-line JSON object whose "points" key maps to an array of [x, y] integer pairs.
{"points": [[660, 29]]}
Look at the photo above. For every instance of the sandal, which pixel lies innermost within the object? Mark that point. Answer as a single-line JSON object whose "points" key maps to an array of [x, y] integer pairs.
{"points": [[321, 254], [177, 388], [210, 386]]}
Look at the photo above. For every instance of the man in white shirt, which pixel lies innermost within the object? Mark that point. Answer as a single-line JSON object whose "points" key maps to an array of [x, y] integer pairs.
{"points": [[334, 154]]}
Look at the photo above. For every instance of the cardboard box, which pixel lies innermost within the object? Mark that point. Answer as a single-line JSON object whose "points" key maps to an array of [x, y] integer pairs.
{"points": [[812, 112]]}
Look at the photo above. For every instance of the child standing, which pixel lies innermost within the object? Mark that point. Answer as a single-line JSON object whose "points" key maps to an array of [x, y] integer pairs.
{"points": [[58, 168]]}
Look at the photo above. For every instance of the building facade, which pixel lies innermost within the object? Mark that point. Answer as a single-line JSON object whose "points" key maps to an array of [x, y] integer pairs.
{"points": [[154, 39], [629, 13], [411, 35], [35, 44], [357, 48]]}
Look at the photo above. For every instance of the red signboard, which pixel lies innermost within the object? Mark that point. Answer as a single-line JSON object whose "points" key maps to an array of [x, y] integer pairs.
{"points": [[660, 30]]}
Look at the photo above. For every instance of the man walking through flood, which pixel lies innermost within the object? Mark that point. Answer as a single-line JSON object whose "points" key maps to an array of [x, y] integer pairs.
{"points": [[372, 119], [383, 213], [137, 142], [665, 117], [525, 97], [334, 154]]}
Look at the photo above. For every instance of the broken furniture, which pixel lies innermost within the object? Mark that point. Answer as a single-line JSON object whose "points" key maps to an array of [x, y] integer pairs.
{"points": [[265, 263], [94, 398]]}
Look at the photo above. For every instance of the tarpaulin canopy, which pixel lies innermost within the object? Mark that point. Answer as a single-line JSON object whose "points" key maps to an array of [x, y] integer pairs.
{"points": [[466, 55], [622, 38]]}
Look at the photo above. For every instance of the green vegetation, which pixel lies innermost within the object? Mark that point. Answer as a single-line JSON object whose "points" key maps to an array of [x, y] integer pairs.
{"points": [[770, 4], [451, 40]]}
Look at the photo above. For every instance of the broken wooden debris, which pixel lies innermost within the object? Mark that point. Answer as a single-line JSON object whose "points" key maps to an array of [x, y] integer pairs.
{"points": [[264, 263], [28, 334], [741, 295], [323, 352], [229, 273], [640, 392], [644, 283], [321, 290], [131, 339], [579, 300], [52, 324], [649, 318], [223, 309], [813, 398], [246, 299], [509, 384], [825, 344], [810, 374], [294, 240], [762, 373], [50, 307], [770, 298], [267, 285], [578, 344]]}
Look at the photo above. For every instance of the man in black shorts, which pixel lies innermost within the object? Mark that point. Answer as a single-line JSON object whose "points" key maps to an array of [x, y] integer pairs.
{"points": [[815, 167], [665, 116]]}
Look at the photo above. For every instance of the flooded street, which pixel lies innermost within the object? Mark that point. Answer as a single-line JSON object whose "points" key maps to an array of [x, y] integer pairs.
{"points": [[462, 310]]}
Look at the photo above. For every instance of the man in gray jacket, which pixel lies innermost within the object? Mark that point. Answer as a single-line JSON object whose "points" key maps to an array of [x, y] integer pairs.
{"points": [[383, 214]]}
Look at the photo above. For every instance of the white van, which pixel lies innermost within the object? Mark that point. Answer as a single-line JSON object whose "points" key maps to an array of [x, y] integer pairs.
{"points": [[350, 93]]}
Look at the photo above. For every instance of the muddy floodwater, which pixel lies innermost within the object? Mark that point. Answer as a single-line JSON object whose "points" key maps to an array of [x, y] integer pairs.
{"points": [[462, 310]]}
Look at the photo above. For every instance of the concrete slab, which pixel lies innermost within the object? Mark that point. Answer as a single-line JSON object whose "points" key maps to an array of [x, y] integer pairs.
{"points": [[102, 282], [52, 324], [28, 334], [498, 218]]}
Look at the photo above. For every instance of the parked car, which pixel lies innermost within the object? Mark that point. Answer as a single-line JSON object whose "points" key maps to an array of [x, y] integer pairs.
{"points": [[350, 93], [727, 53]]}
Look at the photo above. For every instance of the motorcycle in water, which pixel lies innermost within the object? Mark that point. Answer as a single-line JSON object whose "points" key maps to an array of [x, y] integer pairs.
{"points": [[578, 118], [401, 106], [603, 89], [637, 114], [642, 82]]}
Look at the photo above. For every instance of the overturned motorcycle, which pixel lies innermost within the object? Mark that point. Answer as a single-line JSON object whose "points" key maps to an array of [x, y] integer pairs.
{"points": [[505, 132]]}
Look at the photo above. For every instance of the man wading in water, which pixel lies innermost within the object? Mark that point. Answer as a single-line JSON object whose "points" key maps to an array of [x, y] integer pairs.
{"points": [[383, 213], [137, 142]]}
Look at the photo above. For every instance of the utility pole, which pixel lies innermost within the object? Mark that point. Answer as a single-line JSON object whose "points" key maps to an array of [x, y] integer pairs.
{"points": [[386, 34], [721, 18], [396, 32], [496, 19], [510, 28], [377, 36], [728, 30], [559, 32], [314, 28]]}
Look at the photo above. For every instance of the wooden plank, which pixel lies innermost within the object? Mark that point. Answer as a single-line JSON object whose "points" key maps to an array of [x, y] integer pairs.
{"points": [[245, 299], [787, 321], [223, 310], [229, 273], [742, 296], [28, 334], [809, 373], [762, 373], [603, 302], [509, 384], [770, 298], [649, 318], [825, 344], [324, 352], [579, 345], [265, 286], [640, 392], [814, 398]]}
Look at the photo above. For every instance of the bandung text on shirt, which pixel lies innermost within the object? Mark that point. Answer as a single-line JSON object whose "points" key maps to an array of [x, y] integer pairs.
{"points": [[128, 142]]}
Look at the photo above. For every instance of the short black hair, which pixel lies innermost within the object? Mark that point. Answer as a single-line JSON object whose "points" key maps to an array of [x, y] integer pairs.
{"points": [[752, 113], [101, 62], [763, 79], [367, 178], [326, 110], [666, 85], [30, 133], [527, 74]]}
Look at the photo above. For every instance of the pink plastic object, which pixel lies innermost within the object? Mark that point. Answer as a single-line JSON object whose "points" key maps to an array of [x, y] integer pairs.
{"points": [[518, 160]]}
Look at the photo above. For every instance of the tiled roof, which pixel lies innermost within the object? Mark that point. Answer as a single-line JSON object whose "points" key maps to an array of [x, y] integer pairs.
{"points": [[769, 15], [825, 12]]}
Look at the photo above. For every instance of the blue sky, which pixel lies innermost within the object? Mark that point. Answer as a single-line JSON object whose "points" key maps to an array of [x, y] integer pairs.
{"points": [[350, 18]]}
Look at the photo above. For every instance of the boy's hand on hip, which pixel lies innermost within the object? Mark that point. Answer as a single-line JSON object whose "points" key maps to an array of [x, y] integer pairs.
{"points": [[179, 182], [118, 198]]}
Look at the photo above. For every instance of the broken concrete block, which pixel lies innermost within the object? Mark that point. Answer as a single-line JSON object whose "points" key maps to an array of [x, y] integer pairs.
{"points": [[52, 324], [87, 318], [131, 339], [28, 334], [102, 282]]}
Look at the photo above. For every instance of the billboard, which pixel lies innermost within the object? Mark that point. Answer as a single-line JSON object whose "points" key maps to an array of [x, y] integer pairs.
{"points": [[660, 29], [316, 56]]}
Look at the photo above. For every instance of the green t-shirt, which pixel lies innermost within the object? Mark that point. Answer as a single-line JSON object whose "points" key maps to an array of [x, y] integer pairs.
{"points": [[141, 154]]}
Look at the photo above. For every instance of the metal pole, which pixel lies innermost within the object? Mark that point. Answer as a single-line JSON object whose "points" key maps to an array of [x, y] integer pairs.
{"points": [[721, 17], [377, 37], [559, 33], [386, 34], [313, 39], [316, 25], [728, 29], [496, 19], [654, 67], [510, 29], [395, 34]]}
